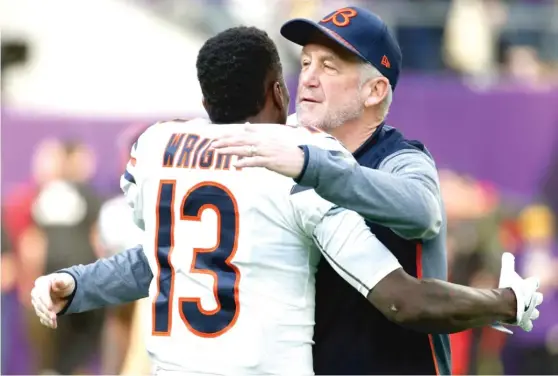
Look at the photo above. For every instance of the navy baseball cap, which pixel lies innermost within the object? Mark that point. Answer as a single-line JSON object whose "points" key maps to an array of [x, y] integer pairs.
{"points": [[359, 31]]}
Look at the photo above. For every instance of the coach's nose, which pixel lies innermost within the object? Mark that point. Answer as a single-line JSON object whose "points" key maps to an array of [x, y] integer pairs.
{"points": [[309, 77]]}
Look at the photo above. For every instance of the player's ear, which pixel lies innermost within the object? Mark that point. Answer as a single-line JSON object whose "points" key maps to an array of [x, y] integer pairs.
{"points": [[280, 96], [277, 93], [375, 91], [204, 104]]}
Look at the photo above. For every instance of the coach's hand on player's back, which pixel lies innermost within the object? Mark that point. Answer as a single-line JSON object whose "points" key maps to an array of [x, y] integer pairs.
{"points": [[260, 146], [50, 295], [526, 294]]}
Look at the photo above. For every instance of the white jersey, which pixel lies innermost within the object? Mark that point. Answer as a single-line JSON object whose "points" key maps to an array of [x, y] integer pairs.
{"points": [[234, 252]]}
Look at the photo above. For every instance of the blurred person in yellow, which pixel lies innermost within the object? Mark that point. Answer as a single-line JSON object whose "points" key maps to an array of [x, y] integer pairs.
{"points": [[471, 35], [537, 353]]}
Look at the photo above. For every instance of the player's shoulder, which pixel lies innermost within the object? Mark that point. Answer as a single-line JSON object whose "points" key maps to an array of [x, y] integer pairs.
{"points": [[162, 130], [175, 125], [199, 126], [311, 136]]}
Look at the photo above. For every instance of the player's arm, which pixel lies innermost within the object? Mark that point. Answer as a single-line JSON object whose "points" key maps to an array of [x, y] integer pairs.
{"points": [[436, 306], [403, 194], [426, 305], [122, 278]]}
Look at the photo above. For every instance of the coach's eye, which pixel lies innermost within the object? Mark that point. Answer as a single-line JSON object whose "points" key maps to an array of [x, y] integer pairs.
{"points": [[329, 67], [305, 63]]}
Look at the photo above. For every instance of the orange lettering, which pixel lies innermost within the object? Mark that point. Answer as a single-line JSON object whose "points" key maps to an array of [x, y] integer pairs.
{"points": [[187, 150], [190, 150], [173, 145], [341, 17]]}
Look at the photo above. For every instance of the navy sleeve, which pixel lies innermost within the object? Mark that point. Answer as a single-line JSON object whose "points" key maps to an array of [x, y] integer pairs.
{"points": [[122, 278], [403, 194]]}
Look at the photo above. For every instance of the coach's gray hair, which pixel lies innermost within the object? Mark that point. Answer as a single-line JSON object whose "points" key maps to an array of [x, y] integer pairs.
{"points": [[367, 72]]}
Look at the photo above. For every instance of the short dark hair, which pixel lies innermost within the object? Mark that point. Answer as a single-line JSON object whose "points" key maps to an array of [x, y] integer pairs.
{"points": [[232, 70]]}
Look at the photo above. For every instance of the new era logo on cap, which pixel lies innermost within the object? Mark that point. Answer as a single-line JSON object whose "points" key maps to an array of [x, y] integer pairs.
{"points": [[359, 31], [385, 62]]}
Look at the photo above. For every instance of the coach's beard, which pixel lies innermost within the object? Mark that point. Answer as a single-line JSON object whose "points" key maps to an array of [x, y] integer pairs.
{"points": [[350, 111]]}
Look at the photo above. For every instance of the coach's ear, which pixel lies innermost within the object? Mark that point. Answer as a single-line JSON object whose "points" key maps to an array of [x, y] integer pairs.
{"points": [[375, 91]]}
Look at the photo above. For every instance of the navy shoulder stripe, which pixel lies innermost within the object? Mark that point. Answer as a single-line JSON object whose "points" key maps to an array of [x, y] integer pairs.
{"points": [[299, 188]]}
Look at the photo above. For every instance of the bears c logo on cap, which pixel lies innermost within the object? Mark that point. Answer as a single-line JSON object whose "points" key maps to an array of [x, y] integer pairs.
{"points": [[341, 17]]}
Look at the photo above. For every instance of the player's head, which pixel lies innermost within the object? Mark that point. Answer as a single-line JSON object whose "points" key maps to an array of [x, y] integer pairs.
{"points": [[241, 78], [350, 64]]}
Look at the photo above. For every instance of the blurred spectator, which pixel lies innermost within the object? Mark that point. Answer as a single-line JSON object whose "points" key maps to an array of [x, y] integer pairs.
{"points": [[65, 213], [46, 167], [471, 35], [421, 44], [8, 264], [550, 179], [536, 353], [9, 305], [522, 64], [27, 242], [473, 246]]}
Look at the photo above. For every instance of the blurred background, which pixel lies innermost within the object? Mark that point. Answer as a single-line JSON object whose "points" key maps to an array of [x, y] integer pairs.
{"points": [[81, 79]]}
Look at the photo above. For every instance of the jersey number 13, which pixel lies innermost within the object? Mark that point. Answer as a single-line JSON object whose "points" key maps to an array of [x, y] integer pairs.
{"points": [[215, 261]]}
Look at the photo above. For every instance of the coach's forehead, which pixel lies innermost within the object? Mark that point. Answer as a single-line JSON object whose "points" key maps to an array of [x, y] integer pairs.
{"points": [[319, 44]]}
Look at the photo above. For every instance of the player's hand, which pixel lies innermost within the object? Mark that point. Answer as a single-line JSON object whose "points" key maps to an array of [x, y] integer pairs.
{"points": [[259, 148], [49, 296], [525, 290]]}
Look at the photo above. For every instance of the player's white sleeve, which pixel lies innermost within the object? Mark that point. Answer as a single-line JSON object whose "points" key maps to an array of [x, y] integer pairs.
{"points": [[342, 235], [353, 250], [131, 189], [344, 239]]}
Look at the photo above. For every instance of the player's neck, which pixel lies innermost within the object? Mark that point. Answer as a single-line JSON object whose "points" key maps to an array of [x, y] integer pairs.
{"points": [[260, 118], [354, 133]]}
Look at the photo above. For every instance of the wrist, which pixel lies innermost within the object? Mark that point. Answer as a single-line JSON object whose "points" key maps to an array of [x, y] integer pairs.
{"points": [[304, 152], [69, 298], [508, 306]]}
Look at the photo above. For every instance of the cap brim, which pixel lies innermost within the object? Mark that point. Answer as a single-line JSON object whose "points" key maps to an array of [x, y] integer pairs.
{"points": [[302, 32]]}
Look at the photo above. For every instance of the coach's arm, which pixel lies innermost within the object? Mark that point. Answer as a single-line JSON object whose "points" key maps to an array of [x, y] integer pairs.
{"points": [[122, 278], [402, 194]]}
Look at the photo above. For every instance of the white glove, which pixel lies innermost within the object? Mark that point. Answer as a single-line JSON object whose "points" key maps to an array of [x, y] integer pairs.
{"points": [[49, 296], [526, 294]]}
